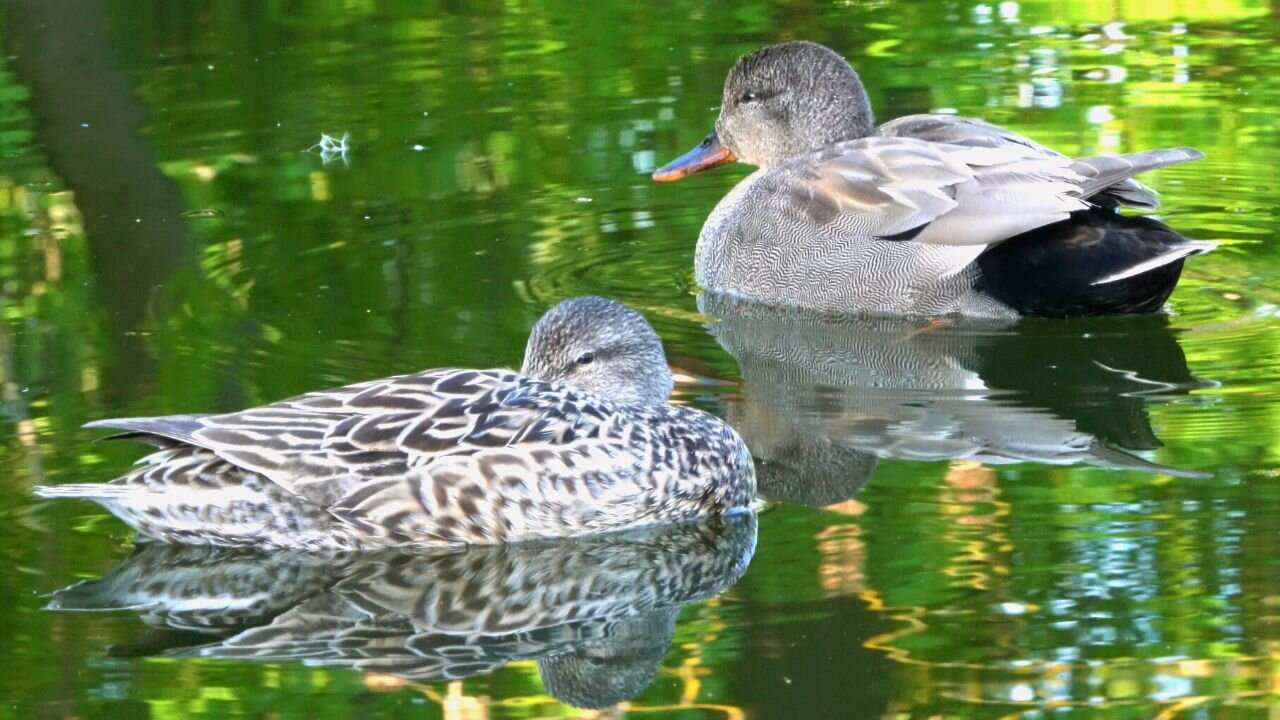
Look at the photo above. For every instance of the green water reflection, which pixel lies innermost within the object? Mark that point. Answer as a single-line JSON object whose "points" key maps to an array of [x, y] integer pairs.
{"points": [[167, 244]]}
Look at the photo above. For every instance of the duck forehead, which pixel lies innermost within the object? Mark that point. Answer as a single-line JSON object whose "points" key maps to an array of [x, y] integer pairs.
{"points": [[582, 313], [799, 58], [755, 76], [588, 333]]}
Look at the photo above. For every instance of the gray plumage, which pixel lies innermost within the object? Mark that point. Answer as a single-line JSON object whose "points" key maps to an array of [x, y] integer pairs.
{"points": [[846, 217], [583, 441], [596, 613]]}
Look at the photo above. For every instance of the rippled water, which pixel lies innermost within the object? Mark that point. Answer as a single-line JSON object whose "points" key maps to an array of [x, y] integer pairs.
{"points": [[1061, 519]]}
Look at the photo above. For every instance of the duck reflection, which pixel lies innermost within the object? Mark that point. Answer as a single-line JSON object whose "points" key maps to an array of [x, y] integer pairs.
{"points": [[826, 397], [597, 614]]}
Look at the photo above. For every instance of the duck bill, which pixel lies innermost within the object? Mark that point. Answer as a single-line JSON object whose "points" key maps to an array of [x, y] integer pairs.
{"points": [[709, 153]]}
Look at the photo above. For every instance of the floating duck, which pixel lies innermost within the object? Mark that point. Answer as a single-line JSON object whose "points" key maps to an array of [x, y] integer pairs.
{"points": [[582, 440], [924, 215]]}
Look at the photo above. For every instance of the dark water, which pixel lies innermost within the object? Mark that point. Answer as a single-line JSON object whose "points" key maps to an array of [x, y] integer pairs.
{"points": [[1053, 519]]}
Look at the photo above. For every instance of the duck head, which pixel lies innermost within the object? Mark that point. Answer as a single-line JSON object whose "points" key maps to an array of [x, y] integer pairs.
{"points": [[602, 347], [780, 102]]}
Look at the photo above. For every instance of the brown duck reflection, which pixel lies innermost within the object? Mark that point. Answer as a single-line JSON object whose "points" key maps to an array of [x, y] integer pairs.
{"points": [[597, 614], [826, 397]]}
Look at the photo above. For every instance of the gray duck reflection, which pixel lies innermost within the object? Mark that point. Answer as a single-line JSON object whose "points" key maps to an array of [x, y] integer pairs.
{"points": [[825, 397], [597, 614]]}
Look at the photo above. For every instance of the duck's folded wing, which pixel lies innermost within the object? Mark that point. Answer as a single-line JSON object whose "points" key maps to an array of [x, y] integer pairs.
{"points": [[323, 444], [968, 132], [297, 420], [971, 132], [909, 189], [1101, 171]]}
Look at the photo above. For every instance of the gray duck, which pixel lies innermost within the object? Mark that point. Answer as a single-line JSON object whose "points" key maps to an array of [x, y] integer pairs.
{"points": [[924, 215], [582, 440]]}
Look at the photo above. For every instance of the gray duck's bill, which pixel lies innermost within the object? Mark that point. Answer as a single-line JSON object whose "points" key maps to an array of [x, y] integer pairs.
{"points": [[708, 154]]}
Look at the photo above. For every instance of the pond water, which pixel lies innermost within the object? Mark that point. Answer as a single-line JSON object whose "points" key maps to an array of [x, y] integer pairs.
{"points": [[1050, 519]]}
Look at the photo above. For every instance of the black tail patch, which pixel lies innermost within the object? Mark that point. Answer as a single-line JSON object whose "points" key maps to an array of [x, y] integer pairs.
{"points": [[1054, 271]]}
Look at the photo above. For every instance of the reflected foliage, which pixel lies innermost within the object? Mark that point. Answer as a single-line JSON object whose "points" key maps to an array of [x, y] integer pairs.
{"points": [[184, 253]]}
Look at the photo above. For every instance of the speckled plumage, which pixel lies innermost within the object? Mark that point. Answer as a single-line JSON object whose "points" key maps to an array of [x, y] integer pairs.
{"points": [[846, 217], [444, 457], [596, 613]]}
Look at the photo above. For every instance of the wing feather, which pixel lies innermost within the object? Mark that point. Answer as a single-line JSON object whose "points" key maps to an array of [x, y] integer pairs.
{"points": [[401, 421], [987, 186], [887, 187], [356, 439], [971, 132]]}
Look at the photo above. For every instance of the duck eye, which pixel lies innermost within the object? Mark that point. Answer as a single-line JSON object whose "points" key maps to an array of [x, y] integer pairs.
{"points": [[586, 358], [748, 97]]}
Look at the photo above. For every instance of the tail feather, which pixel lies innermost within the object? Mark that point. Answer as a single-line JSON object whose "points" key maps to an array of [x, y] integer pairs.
{"points": [[1173, 254], [89, 491], [245, 510], [1128, 193], [1104, 171], [176, 428], [1095, 263]]}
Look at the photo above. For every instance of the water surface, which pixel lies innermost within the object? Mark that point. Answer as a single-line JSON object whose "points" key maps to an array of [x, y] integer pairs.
{"points": [[1046, 519]]}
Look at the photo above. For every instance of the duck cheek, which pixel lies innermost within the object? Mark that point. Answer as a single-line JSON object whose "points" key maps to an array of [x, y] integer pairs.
{"points": [[596, 382], [779, 129], [759, 138], [730, 140], [755, 151]]}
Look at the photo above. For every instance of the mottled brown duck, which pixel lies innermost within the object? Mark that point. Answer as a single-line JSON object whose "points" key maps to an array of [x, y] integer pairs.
{"points": [[582, 440]]}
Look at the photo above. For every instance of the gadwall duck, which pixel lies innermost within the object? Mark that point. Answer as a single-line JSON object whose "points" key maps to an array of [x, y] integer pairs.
{"points": [[581, 441], [925, 215]]}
